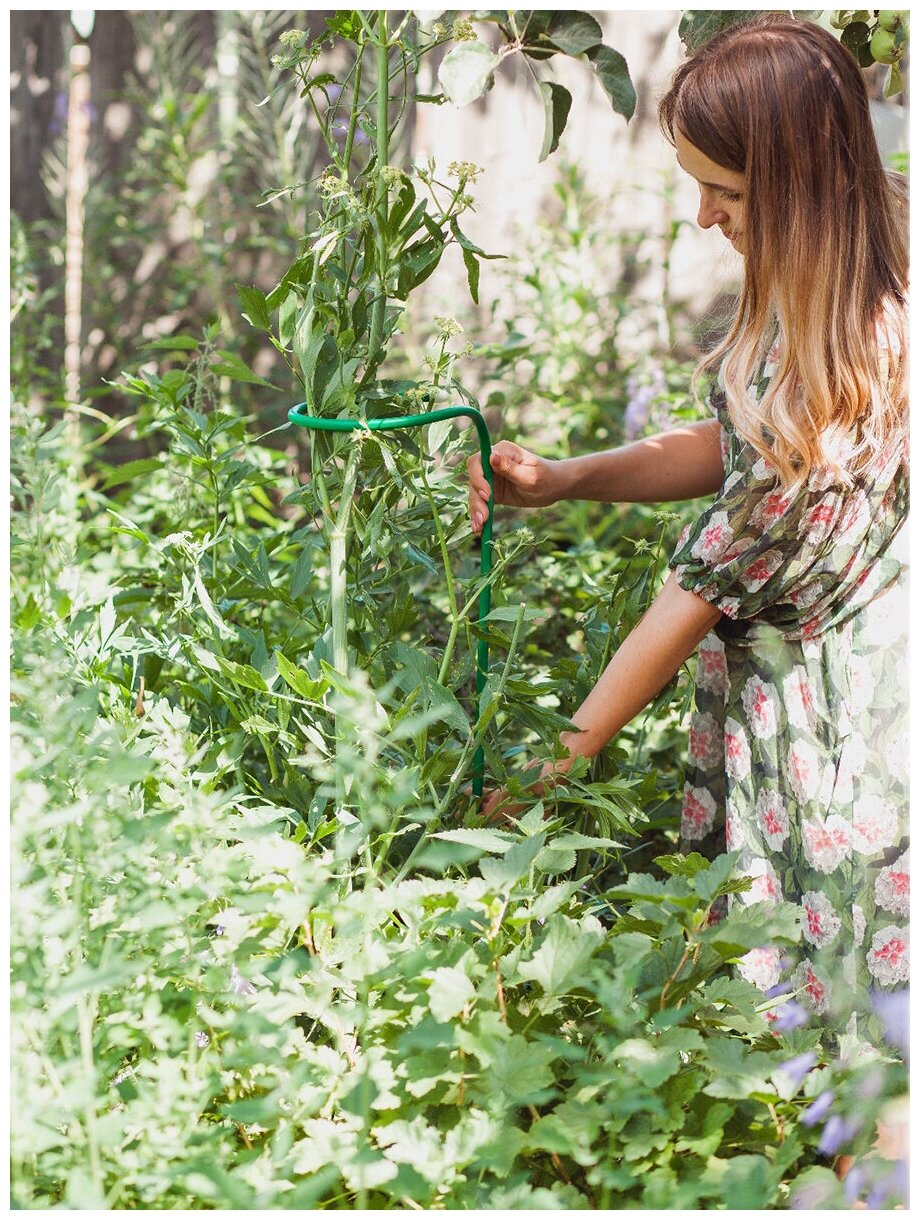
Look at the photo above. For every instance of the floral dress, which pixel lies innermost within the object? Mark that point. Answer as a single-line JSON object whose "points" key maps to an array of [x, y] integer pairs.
{"points": [[798, 742]]}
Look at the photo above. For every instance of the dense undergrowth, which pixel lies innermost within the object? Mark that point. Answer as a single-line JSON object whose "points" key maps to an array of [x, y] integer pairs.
{"points": [[264, 954]]}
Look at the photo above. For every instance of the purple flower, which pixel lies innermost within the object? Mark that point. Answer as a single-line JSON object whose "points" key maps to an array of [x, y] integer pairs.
{"points": [[238, 984], [202, 1039], [893, 1010], [853, 1183], [789, 1016], [818, 1108], [798, 1068], [837, 1131], [892, 1188]]}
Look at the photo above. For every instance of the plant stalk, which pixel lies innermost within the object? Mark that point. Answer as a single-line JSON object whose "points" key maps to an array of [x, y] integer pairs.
{"points": [[378, 309]]}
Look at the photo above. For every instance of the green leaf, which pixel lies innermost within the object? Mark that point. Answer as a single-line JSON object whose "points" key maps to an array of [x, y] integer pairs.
{"points": [[209, 608], [255, 307], [489, 840], [611, 70], [502, 874], [232, 366], [557, 102], [574, 32], [466, 72], [697, 26], [472, 274], [129, 471], [450, 992], [174, 343], [566, 948], [299, 682], [894, 82], [683, 865]]}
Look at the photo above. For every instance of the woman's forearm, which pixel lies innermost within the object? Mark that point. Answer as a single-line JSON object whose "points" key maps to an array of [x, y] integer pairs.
{"points": [[645, 662], [677, 465]]}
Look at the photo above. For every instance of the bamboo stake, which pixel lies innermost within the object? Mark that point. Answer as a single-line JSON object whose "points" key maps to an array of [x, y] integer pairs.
{"points": [[77, 181]]}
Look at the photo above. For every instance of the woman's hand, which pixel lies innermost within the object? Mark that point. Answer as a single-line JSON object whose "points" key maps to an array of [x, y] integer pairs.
{"points": [[522, 480]]}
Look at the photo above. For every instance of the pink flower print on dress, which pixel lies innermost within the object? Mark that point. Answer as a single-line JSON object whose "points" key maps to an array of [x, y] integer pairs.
{"points": [[771, 508], [765, 566], [765, 886], [804, 769], [875, 824], [820, 521], [888, 958], [760, 703], [698, 813], [822, 923], [814, 987], [684, 535], [705, 741], [737, 751], [763, 470], [799, 699], [855, 519], [714, 538], [826, 844], [729, 606], [772, 818], [892, 887], [761, 967], [711, 670]]}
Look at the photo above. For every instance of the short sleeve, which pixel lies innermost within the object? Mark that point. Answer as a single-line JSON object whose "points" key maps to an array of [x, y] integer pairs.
{"points": [[803, 562]]}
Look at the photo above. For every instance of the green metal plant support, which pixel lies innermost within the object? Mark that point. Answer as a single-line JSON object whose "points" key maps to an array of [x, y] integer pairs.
{"points": [[324, 424]]}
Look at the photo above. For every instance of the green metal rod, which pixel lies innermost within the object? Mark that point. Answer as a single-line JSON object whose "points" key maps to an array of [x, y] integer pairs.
{"points": [[385, 424]]}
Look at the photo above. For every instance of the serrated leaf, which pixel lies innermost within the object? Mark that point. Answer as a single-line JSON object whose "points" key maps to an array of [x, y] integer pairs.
{"points": [[255, 307], [209, 608], [557, 102], [472, 274], [299, 681], [450, 992], [566, 948], [497, 841], [502, 874]]}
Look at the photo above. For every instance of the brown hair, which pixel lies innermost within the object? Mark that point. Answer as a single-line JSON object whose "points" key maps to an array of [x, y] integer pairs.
{"points": [[782, 102]]}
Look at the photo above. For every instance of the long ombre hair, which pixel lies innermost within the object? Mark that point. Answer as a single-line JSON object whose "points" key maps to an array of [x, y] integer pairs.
{"points": [[780, 101]]}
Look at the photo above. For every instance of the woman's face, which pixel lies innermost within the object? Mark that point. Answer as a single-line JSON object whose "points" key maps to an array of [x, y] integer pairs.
{"points": [[721, 191]]}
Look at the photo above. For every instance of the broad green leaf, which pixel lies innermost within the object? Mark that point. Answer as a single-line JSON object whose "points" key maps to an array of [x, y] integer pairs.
{"points": [[557, 102], [611, 70], [450, 992], [683, 865], [567, 946], [574, 32], [255, 307], [466, 71]]}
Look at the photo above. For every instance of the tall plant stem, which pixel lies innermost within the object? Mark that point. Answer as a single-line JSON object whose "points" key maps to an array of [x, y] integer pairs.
{"points": [[338, 581], [378, 310]]}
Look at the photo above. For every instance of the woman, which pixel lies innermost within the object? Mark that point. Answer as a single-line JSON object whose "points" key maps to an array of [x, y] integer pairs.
{"points": [[792, 581]]}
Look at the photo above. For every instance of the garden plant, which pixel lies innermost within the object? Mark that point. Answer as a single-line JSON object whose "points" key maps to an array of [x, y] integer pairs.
{"points": [[265, 952]]}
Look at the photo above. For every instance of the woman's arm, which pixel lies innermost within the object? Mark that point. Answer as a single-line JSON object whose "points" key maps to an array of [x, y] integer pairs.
{"points": [[644, 663], [677, 465]]}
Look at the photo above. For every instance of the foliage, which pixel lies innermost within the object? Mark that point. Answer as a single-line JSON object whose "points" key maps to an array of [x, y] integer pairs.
{"points": [[264, 953], [876, 36]]}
